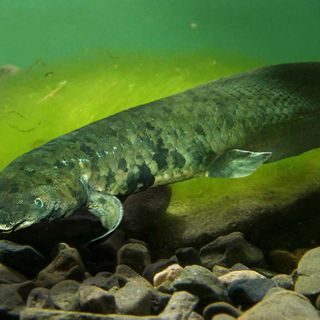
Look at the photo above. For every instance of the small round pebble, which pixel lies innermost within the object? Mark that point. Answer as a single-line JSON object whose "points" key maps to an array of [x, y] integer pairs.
{"points": [[168, 274]]}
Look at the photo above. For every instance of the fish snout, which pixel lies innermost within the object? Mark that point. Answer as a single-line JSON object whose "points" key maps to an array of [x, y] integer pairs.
{"points": [[7, 224]]}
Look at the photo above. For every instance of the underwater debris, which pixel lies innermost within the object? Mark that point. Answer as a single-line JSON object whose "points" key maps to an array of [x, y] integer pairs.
{"points": [[8, 70], [54, 92], [24, 130]]}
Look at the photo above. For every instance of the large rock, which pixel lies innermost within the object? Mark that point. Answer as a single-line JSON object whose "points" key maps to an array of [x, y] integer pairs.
{"points": [[268, 205], [144, 209], [308, 282], [281, 304]]}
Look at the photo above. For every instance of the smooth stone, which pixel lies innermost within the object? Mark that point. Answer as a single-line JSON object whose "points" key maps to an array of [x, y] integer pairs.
{"points": [[65, 295], [125, 274], [284, 281], [188, 256], [144, 209], [308, 271], [158, 299], [167, 275], [153, 268], [195, 316], [12, 298], [317, 303], [281, 304], [181, 304], [22, 258], [239, 266], [96, 300], [41, 314], [283, 261], [40, 298], [103, 281], [133, 299], [201, 282], [223, 316], [215, 308], [220, 270], [67, 265], [230, 249], [239, 275], [9, 276], [134, 255], [249, 291]]}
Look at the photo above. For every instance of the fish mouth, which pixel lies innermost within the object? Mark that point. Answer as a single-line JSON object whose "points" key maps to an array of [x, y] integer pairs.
{"points": [[10, 227]]}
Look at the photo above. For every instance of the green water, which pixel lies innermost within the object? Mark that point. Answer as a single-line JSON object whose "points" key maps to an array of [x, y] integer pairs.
{"points": [[83, 60]]}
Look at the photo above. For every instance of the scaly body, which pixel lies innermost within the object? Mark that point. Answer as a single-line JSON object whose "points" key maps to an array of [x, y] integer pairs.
{"points": [[225, 128]]}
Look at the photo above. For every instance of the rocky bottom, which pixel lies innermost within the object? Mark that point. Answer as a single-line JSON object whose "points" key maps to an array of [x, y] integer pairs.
{"points": [[228, 278]]}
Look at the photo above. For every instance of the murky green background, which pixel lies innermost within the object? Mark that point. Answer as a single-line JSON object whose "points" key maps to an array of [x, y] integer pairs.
{"points": [[82, 60]]}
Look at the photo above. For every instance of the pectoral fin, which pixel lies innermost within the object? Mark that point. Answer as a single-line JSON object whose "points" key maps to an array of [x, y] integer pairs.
{"points": [[108, 209], [237, 163]]}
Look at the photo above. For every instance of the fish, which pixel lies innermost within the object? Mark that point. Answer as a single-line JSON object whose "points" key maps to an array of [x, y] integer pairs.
{"points": [[224, 128]]}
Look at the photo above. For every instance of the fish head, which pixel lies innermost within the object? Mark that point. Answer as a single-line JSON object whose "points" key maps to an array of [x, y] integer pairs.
{"points": [[33, 193]]}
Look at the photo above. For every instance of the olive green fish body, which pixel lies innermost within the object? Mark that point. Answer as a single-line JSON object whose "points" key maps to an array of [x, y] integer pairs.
{"points": [[225, 128]]}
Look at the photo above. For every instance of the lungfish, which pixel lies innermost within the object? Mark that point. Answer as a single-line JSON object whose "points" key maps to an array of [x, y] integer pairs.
{"points": [[225, 128]]}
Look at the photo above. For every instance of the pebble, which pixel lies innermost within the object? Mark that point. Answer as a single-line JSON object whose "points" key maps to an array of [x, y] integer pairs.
{"points": [[201, 282], [249, 291], [103, 280], [220, 270], [153, 268], [167, 276], [223, 316], [66, 265], [133, 299], [230, 249], [144, 209], [40, 298], [215, 308], [188, 256], [284, 281], [10, 298], [181, 303], [22, 258], [239, 275], [96, 300], [8, 275], [134, 255], [281, 304], [65, 295], [308, 271], [283, 261]]}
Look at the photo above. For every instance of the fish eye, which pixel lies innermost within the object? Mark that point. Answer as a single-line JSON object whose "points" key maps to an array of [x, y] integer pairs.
{"points": [[38, 203]]}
